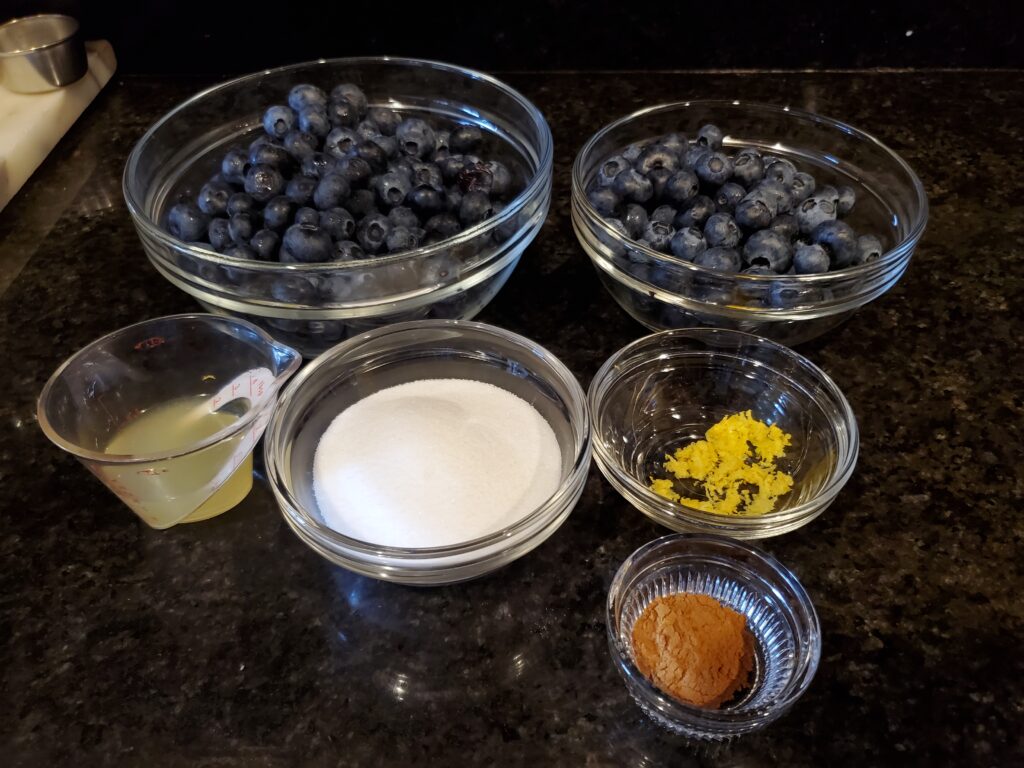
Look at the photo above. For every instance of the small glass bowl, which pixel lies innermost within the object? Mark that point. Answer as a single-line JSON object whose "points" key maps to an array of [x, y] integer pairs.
{"points": [[665, 390], [779, 613], [425, 349], [662, 291]]}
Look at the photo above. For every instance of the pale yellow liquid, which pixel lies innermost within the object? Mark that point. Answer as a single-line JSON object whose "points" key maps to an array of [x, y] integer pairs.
{"points": [[181, 489]]}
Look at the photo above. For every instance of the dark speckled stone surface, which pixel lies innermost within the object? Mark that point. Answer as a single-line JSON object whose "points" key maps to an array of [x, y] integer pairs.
{"points": [[229, 643]]}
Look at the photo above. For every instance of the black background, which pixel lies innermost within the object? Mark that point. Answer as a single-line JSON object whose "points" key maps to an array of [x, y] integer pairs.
{"points": [[207, 37]]}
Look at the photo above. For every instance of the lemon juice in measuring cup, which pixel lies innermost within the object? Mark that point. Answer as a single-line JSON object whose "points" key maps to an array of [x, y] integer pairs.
{"points": [[167, 412]]}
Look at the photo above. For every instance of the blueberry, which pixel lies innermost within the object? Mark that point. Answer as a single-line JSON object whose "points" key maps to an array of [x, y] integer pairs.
{"points": [[728, 196], [241, 228], [721, 230], [264, 243], [387, 144], [635, 221], [781, 170], [810, 259], [427, 175], [659, 180], [277, 213], [785, 224], [453, 199], [356, 170], [368, 130], [234, 166], [633, 151], [846, 200], [391, 189], [700, 209], [240, 202], [681, 186], [273, 155], [657, 156], [372, 232], [748, 167], [277, 121], [403, 239], [722, 259], [415, 137], [347, 250], [451, 167], [714, 168], [318, 165], [306, 95], [475, 207], [611, 168], [688, 243], [633, 186], [445, 224], [372, 153], [768, 248], [305, 244], [604, 200], [676, 142], [619, 227], [753, 213], [263, 182], [362, 202], [314, 120], [237, 251], [758, 269], [442, 142], [784, 294], [401, 216], [658, 235], [341, 113], [300, 189], [213, 197], [476, 177], [694, 154], [710, 136], [386, 120], [340, 142], [465, 138], [426, 201], [332, 190], [869, 248], [839, 240], [338, 223], [776, 192], [351, 93], [802, 186], [501, 178], [666, 214], [300, 144], [218, 234], [813, 211], [830, 193], [186, 222], [307, 216]]}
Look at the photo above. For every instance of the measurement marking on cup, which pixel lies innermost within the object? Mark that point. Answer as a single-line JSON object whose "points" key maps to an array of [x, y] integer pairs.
{"points": [[152, 341]]}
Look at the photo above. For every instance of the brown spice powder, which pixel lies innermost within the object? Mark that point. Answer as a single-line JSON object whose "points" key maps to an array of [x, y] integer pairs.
{"points": [[694, 648]]}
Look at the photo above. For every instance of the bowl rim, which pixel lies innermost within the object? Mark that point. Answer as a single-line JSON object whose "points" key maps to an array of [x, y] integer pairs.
{"points": [[541, 177], [754, 718], [900, 250], [296, 513], [684, 514]]}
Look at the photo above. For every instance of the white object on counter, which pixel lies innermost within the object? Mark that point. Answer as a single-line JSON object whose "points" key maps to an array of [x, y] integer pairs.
{"points": [[32, 124]]}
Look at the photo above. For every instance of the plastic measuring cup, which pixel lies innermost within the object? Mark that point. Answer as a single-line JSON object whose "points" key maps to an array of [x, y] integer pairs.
{"points": [[206, 366]]}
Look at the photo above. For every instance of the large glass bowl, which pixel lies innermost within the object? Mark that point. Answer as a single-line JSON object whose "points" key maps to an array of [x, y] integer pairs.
{"points": [[424, 349], [665, 390], [662, 291], [455, 278]]}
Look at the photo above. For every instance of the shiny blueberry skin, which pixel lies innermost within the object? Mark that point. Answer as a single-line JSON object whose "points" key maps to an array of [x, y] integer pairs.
{"points": [[785, 224], [427, 175], [633, 186], [300, 189], [415, 137], [604, 201], [264, 244], [700, 209], [728, 196], [338, 223], [386, 120], [451, 167], [278, 120], [273, 155], [475, 207], [869, 248], [277, 213], [241, 227], [388, 145], [657, 156], [237, 251], [810, 259], [753, 213], [781, 294], [802, 186], [340, 142], [318, 165], [721, 231], [681, 187], [659, 179], [305, 95], [361, 202], [368, 130], [240, 202], [263, 182], [234, 166], [847, 199], [688, 243], [714, 168], [426, 201], [710, 136], [666, 214], [719, 258], [465, 138], [401, 216], [611, 168], [355, 170], [445, 224], [186, 222], [475, 177], [391, 189], [658, 235], [305, 244], [401, 239], [347, 250], [372, 232], [307, 216], [635, 221], [313, 120], [828, 192], [693, 155], [748, 167], [839, 240], [351, 93], [219, 234], [676, 142], [372, 153], [633, 151], [813, 211], [300, 144], [779, 193], [331, 191], [768, 248], [341, 113], [781, 170], [501, 178], [213, 197]]}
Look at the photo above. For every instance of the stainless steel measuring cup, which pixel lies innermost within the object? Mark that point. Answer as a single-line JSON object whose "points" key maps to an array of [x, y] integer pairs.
{"points": [[207, 366]]}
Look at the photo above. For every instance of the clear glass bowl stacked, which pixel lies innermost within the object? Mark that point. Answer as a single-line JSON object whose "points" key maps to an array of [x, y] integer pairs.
{"points": [[455, 278]]}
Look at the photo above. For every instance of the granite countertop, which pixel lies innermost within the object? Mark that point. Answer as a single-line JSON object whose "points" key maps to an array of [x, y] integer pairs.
{"points": [[229, 643]]}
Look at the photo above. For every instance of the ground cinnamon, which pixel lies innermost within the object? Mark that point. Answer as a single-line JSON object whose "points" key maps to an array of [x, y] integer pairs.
{"points": [[694, 648]]}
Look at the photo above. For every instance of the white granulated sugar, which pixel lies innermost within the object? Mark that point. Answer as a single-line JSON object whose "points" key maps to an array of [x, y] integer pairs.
{"points": [[434, 462]]}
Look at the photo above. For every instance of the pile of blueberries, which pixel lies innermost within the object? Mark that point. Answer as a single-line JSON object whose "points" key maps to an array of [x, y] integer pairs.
{"points": [[747, 212], [335, 180]]}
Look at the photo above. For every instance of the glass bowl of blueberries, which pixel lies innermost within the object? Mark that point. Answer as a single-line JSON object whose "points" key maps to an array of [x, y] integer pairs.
{"points": [[746, 216], [323, 199]]}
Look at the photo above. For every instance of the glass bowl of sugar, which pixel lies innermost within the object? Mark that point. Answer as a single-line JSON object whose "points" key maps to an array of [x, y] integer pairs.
{"points": [[429, 452]]}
